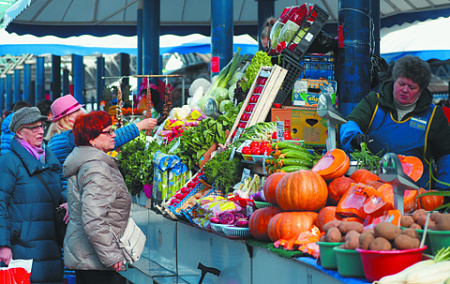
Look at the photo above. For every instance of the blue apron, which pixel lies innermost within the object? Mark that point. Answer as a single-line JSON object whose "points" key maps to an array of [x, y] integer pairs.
{"points": [[407, 137]]}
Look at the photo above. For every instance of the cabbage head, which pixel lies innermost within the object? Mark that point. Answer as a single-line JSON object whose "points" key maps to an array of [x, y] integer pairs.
{"points": [[223, 104], [219, 94]]}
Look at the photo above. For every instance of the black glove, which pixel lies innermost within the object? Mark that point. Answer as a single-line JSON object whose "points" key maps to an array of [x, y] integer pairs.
{"points": [[358, 139]]}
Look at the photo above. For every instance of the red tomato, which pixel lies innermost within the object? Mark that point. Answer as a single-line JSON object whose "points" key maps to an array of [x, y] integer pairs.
{"points": [[262, 80], [254, 144], [287, 135], [264, 144], [245, 117], [246, 150], [266, 151], [256, 151], [242, 124], [249, 108], [254, 99], [274, 135]]}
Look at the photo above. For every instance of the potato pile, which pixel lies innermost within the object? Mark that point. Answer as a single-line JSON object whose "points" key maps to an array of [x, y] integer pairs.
{"points": [[341, 231], [387, 236], [438, 221]]}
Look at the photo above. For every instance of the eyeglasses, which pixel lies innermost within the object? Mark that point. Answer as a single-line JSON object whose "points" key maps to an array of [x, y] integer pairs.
{"points": [[34, 129], [110, 132]]}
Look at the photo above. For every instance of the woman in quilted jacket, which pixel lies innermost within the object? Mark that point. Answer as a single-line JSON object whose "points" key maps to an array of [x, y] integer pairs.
{"points": [[99, 203], [27, 202]]}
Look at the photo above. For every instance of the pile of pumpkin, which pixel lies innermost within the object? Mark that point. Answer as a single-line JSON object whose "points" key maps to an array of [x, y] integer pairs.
{"points": [[308, 198]]}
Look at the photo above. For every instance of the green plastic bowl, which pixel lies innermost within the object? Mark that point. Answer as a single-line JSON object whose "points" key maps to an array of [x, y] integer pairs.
{"points": [[438, 240], [327, 254], [349, 263]]}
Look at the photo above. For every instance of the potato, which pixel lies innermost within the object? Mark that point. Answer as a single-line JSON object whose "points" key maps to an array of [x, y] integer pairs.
{"points": [[323, 238], [387, 230], [419, 212], [333, 235], [365, 239], [442, 222], [421, 221], [352, 239], [411, 232], [372, 230], [431, 224], [404, 241], [415, 226], [406, 221], [331, 224], [342, 246], [346, 227], [380, 243], [434, 215]]}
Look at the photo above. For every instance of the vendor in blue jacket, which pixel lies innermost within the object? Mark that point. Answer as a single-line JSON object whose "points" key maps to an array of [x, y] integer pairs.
{"points": [[402, 119]]}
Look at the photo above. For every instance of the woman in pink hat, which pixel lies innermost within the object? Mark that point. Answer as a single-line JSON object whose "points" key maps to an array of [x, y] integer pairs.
{"points": [[65, 111]]}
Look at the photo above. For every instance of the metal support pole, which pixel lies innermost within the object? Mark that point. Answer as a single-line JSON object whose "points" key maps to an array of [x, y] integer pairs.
{"points": [[124, 69], [78, 76], [2, 94], [150, 36], [8, 87], [100, 80], [27, 84], [65, 82], [17, 89], [56, 77], [40, 79], [375, 25], [139, 44], [266, 9], [222, 30], [353, 60]]}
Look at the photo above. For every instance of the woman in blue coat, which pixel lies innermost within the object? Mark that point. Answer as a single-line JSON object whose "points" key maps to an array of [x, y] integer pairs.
{"points": [[26, 206]]}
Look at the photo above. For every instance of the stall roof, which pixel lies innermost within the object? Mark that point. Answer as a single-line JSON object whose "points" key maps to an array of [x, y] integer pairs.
{"points": [[180, 17]]}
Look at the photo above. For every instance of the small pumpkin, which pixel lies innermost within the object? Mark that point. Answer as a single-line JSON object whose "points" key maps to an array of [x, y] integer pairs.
{"points": [[430, 202], [412, 166], [337, 188], [409, 197], [326, 214], [302, 190], [364, 176], [353, 219], [270, 187], [335, 163], [289, 225], [259, 222]]}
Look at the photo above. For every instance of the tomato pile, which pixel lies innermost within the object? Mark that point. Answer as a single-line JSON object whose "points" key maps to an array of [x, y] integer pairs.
{"points": [[287, 135], [257, 148]]}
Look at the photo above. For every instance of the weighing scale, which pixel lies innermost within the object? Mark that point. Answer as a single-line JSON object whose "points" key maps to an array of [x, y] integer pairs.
{"points": [[326, 111], [391, 171]]}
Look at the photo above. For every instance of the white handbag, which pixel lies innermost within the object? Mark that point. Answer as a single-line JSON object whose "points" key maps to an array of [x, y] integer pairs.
{"points": [[132, 241]]}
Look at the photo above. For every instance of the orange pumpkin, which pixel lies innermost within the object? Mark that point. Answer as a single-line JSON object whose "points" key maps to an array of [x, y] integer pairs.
{"points": [[374, 183], [429, 203], [409, 197], [326, 214], [289, 225], [302, 190], [353, 219], [412, 166], [337, 188], [364, 176], [259, 222], [270, 187], [335, 163]]}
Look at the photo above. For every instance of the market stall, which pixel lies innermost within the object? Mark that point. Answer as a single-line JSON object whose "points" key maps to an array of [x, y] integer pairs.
{"points": [[246, 181]]}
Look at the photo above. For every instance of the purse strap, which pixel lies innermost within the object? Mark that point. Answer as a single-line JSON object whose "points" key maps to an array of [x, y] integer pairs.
{"points": [[48, 189]]}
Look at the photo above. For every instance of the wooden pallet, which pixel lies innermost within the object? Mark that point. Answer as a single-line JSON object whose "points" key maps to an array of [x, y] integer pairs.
{"points": [[266, 99]]}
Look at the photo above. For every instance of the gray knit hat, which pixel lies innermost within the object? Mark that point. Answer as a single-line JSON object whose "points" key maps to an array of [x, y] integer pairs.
{"points": [[26, 115]]}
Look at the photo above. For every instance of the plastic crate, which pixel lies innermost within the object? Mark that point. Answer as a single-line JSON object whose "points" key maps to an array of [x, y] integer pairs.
{"points": [[307, 33], [317, 66], [294, 70]]}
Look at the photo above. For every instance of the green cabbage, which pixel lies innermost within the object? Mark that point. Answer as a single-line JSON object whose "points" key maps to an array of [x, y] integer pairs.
{"points": [[219, 94], [223, 104]]}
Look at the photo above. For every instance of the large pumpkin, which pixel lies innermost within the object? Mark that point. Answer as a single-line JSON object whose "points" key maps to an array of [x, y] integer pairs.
{"points": [[326, 214], [412, 166], [409, 197], [289, 225], [260, 220], [337, 188], [335, 163], [302, 190], [429, 203], [363, 176], [270, 187]]}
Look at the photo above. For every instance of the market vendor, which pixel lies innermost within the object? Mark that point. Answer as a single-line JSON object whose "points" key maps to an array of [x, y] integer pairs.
{"points": [[401, 118]]}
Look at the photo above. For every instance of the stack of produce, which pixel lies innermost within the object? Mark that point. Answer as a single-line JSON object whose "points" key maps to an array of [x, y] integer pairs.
{"points": [[289, 157]]}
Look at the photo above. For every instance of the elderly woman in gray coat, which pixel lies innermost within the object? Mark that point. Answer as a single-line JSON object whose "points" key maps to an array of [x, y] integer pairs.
{"points": [[99, 203]]}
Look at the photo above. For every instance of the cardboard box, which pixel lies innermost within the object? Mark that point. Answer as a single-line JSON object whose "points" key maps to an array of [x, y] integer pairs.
{"points": [[307, 91], [304, 124]]}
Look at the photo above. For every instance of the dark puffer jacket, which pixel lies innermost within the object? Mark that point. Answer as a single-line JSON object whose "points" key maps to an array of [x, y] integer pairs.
{"points": [[26, 218], [6, 135]]}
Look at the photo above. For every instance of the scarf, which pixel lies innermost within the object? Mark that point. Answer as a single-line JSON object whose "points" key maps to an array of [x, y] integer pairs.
{"points": [[37, 152], [402, 110]]}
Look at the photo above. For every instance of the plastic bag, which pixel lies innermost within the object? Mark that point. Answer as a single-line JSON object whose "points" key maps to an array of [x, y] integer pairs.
{"points": [[17, 272]]}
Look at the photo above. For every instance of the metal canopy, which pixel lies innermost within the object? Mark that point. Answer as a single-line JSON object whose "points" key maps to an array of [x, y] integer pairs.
{"points": [[76, 17]]}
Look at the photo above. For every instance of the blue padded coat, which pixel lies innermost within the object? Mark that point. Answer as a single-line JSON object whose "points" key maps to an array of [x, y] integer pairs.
{"points": [[7, 135]]}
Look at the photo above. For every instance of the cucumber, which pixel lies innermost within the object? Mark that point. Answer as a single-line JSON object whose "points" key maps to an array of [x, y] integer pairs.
{"points": [[297, 154], [289, 169], [288, 145], [293, 162]]}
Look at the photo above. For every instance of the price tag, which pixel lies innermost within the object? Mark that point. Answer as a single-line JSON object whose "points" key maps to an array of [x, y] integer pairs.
{"points": [[249, 210], [233, 151], [246, 143], [245, 174], [280, 130], [238, 134], [175, 146]]}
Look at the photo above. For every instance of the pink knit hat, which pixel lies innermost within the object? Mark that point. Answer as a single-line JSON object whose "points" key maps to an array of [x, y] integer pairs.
{"points": [[64, 106]]}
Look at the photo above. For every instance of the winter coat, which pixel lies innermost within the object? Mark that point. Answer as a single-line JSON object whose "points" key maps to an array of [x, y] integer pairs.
{"points": [[63, 143], [6, 135], [26, 211], [424, 132], [99, 203]]}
